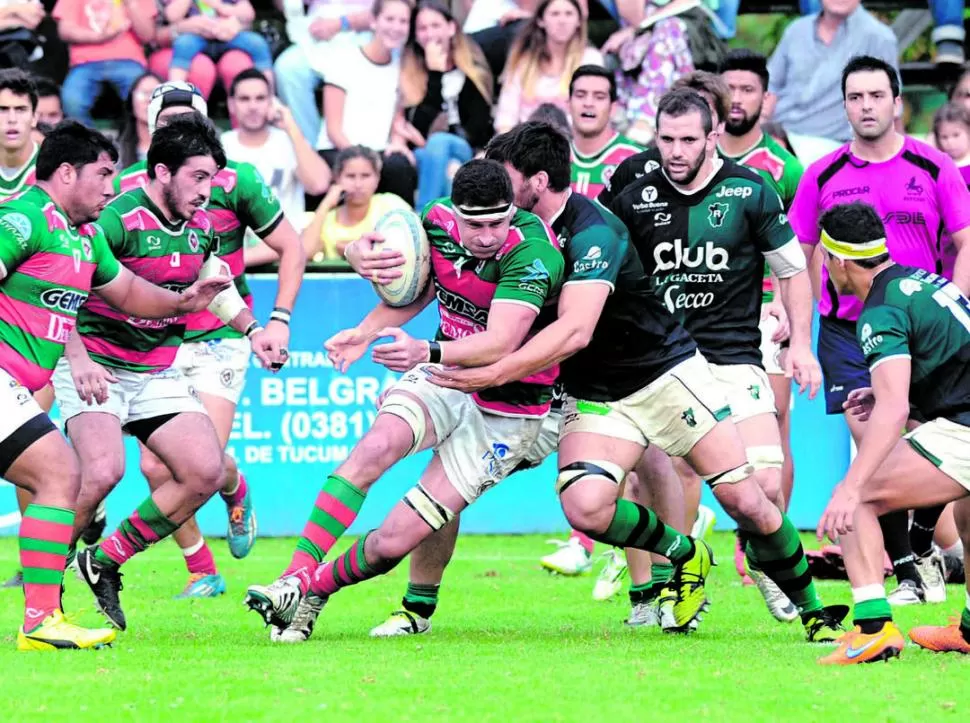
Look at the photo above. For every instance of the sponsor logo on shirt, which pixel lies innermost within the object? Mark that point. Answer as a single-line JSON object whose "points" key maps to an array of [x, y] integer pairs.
{"points": [[650, 203], [649, 194], [913, 188], [650, 167], [669, 256], [661, 219], [905, 218], [537, 271], [910, 286], [64, 300], [592, 260], [857, 191], [193, 241], [20, 225], [736, 192], [869, 342]]}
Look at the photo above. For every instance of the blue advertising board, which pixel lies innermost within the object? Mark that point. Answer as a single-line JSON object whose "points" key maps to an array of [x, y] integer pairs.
{"points": [[293, 428]]}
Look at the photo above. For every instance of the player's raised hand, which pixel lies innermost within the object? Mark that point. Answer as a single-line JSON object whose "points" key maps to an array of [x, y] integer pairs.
{"points": [[91, 380], [200, 294], [347, 346], [859, 403], [464, 380], [374, 263], [838, 517], [267, 349], [401, 354], [802, 366]]}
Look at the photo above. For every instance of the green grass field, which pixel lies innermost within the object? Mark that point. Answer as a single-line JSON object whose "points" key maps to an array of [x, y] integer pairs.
{"points": [[509, 643]]}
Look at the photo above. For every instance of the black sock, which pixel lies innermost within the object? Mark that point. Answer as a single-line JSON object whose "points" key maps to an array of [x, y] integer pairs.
{"points": [[895, 533], [742, 536], [871, 627], [924, 525], [422, 600]]}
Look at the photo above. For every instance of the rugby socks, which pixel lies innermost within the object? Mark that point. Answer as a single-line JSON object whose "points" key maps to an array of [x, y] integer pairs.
{"points": [[895, 535], [965, 620], [660, 574], [146, 526], [199, 559], [238, 495], [871, 608], [45, 534], [781, 557], [923, 528], [639, 527], [348, 568], [422, 600], [584, 540], [334, 511]]}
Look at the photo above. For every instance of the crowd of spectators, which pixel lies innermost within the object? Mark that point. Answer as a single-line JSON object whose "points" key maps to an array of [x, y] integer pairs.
{"points": [[375, 103]]}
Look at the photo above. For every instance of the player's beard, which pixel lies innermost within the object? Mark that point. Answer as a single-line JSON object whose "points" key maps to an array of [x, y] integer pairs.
{"points": [[174, 202], [692, 171], [742, 126], [525, 197]]}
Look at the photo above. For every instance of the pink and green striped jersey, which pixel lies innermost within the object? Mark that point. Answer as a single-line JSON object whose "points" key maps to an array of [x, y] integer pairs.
{"points": [[527, 270], [241, 199], [168, 255], [15, 181], [590, 174], [47, 269]]}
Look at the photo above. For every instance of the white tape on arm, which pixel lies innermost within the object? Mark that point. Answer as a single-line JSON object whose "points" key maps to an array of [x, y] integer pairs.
{"points": [[787, 260], [227, 303]]}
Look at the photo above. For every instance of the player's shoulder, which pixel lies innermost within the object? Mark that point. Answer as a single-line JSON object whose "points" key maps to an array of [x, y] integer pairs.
{"points": [[900, 286], [24, 215], [584, 215], [823, 169], [924, 156], [636, 190]]}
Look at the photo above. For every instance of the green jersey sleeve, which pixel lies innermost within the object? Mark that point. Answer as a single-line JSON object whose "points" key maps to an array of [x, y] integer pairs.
{"points": [[17, 237], [769, 223], [530, 273], [113, 232], [596, 254], [258, 207], [107, 267], [883, 333], [790, 177]]}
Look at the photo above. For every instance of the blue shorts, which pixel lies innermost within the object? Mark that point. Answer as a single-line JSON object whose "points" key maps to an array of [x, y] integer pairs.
{"points": [[843, 365]]}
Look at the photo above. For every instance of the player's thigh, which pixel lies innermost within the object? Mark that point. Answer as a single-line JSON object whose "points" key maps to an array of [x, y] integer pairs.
{"points": [[188, 445], [24, 432], [216, 369], [929, 466], [45, 397], [582, 487], [46, 461]]}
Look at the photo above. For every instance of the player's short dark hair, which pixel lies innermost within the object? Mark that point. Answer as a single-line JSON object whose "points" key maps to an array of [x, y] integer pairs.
{"points": [[46, 88], [247, 74], [855, 223], [712, 84], [531, 147], [74, 143], [481, 182], [19, 82], [749, 60], [184, 137], [867, 63], [680, 102], [597, 71], [553, 115]]}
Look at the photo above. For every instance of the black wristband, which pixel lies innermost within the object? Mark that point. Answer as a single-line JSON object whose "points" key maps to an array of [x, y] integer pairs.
{"points": [[280, 314], [252, 328], [434, 352]]}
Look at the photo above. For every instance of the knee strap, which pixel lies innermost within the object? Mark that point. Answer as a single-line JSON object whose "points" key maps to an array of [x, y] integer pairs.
{"points": [[737, 474], [572, 473], [766, 457], [411, 412], [434, 514]]}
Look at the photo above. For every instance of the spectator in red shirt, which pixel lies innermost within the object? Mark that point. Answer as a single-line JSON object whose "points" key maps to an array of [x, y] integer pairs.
{"points": [[105, 42]]}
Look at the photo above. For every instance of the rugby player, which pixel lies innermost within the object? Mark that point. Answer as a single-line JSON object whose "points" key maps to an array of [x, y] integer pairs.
{"points": [[118, 375], [914, 331], [918, 193]]}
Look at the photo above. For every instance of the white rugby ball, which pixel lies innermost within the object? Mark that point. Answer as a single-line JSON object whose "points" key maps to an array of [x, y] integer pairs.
{"points": [[402, 231]]}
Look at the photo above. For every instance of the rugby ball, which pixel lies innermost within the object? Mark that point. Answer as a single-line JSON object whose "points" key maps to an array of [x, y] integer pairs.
{"points": [[402, 231]]}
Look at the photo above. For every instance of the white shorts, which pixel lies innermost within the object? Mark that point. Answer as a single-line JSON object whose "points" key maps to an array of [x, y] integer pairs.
{"points": [[747, 389], [23, 421], [770, 350], [947, 445], [547, 442], [216, 367], [478, 449], [135, 396], [673, 412]]}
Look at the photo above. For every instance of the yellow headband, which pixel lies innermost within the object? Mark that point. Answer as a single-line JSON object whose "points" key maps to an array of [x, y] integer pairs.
{"points": [[853, 252]]}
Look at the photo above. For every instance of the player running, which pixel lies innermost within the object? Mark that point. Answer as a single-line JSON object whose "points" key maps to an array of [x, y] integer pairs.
{"points": [[214, 357], [493, 268], [51, 257], [919, 193], [914, 330], [119, 377], [633, 376]]}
